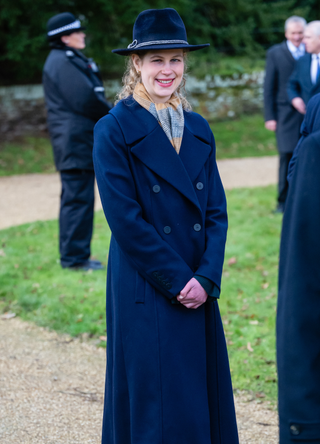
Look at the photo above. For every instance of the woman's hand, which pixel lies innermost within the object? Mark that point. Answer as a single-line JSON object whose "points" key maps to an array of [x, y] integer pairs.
{"points": [[193, 294]]}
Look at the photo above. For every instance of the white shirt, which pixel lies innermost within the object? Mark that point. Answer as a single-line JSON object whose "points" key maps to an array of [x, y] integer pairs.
{"points": [[296, 52], [314, 67]]}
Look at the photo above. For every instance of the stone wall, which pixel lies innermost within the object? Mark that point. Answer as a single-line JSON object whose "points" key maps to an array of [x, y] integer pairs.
{"points": [[22, 108], [217, 98], [22, 111]]}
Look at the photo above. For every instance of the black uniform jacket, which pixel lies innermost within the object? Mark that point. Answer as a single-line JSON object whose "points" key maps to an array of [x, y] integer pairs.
{"points": [[279, 67], [75, 101]]}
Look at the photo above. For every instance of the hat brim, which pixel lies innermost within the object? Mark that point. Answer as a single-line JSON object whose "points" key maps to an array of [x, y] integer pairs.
{"points": [[128, 51]]}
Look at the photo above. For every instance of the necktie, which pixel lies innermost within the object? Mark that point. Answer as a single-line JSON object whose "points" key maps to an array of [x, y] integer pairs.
{"points": [[318, 70]]}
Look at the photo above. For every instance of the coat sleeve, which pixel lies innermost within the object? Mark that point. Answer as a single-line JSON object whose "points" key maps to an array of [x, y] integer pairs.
{"points": [[151, 256], [293, 86], [78, 91], [216, 225], [270, 88]]}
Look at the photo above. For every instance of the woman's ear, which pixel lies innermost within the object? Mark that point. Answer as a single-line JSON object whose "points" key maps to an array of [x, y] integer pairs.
{"points": [[136, 62]]}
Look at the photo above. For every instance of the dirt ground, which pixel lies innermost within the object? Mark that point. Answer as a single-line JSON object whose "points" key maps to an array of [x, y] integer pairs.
{"points": [[51, 385]]}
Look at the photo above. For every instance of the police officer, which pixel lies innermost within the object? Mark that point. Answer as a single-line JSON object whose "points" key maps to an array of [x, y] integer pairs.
{"points": [[75, 101]]}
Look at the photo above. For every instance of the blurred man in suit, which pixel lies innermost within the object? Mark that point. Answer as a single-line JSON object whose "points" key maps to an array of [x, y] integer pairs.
{"points": [[305, 79], [280, 115]]}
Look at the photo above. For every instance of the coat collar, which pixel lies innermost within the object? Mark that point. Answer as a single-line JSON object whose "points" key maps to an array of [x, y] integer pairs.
{"points": [[149, 143], [287, 52]]}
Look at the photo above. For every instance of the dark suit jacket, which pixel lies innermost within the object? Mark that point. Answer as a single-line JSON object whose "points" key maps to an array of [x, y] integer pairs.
{"points": [[300, 84], [167, 214], [298, 314], [279, 67]]}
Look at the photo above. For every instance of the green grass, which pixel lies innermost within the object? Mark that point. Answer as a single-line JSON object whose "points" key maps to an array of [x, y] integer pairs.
{"points": [[28, 155], [249, 289], [35, 287], [245, 137]]}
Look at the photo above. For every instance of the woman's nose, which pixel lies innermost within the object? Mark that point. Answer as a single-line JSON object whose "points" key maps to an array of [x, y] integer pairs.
{"points": [[166, 69]]}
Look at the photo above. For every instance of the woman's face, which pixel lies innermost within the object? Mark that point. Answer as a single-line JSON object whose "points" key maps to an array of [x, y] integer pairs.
{"points": [[75, 40], [161, 72]]}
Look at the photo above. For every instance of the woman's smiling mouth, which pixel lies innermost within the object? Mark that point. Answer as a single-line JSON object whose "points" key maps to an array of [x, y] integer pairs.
{"points": [[164, 82]]}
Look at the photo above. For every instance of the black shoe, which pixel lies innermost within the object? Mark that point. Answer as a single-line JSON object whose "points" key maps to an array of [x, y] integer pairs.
{"points": [[279, 208], [88, 265]]}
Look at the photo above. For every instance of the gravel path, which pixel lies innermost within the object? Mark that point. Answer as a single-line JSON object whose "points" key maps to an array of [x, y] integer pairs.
{"points": [[51, 391], [51, 385], [31, 197]]}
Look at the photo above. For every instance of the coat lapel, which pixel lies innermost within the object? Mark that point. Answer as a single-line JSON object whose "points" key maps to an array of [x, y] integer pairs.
{"points": [[151, 146], [193, 153], [287, 53], [157, 153]]}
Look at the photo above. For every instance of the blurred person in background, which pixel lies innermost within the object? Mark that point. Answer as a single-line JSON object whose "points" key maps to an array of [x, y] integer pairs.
{"points": [[75, 101], [304, 82], [298, 313], [280, 115]]}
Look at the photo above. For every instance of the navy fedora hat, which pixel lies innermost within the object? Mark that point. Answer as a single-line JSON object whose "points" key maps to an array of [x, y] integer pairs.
{"points": [[158, 29], [63, 24]]}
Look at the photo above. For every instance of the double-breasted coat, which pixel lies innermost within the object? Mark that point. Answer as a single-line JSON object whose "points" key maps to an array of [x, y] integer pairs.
{"points": [[168, 378], [298, 314]]}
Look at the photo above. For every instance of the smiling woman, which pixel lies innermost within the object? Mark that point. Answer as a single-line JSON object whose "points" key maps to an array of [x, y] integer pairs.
{"points": [[150, 65], [161, 72], [168, 378]]}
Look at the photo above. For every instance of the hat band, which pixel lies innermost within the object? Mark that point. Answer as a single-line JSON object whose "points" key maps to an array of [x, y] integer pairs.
{"points": [[74, 25], [137, 45]]}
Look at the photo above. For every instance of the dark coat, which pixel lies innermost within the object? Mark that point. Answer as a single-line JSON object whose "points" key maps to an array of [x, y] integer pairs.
{"points": [[298, 315], [300, 84], [75, 102], [279, 66], [168, 379]]}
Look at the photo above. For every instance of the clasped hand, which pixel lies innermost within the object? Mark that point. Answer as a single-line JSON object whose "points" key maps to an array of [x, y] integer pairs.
{"points": [[193, 294]]}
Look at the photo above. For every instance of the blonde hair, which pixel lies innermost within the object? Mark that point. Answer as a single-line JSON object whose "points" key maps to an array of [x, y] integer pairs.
{"points": [[131, 78]]}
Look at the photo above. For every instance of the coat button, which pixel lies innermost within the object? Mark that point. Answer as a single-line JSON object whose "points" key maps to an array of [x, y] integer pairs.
{"points": [[199, 186], [169, 286], [156, 189], [294, 429], [167, 230], [197, 227]]}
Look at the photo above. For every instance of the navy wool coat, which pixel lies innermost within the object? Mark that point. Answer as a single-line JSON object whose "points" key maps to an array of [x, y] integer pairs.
{"points": [[298, 316], [168, 378]]}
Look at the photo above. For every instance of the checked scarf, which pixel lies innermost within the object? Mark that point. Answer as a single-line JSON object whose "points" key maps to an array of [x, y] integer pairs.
{"points": [[169, 114]]}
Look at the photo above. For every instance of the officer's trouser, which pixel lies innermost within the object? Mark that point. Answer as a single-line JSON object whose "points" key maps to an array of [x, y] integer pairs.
{"points": [[76, 216]]}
